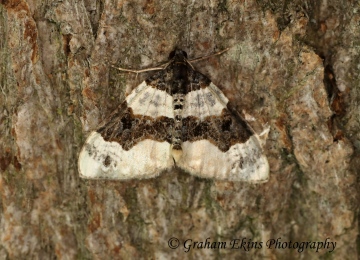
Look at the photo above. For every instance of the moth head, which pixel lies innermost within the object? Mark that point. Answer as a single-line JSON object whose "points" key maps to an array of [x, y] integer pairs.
{"points": [[178, 54]]}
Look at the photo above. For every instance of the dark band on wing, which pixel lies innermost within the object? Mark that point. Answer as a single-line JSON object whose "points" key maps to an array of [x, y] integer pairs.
{"points": [[223, 131], [128, 129]]}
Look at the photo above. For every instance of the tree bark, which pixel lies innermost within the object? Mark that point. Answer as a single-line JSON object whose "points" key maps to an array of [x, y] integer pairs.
{"points": [[291, 64]]}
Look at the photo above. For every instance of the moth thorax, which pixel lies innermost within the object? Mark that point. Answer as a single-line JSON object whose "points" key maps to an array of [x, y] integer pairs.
{"points": [[177, 132]]}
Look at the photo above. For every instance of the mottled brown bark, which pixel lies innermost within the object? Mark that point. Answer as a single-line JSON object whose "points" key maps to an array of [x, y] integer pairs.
{"points": [[292, 64]]}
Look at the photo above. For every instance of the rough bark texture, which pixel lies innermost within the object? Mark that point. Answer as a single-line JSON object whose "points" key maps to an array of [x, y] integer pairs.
{"points": [[292, 64]]}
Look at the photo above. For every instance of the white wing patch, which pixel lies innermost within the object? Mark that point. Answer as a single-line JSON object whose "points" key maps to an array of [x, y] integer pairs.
{"points": [[107, 160], [148, 101], [242, 162], [204, 102]]}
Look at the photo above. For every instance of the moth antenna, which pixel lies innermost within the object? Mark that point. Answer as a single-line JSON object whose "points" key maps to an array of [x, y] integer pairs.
{"points": [[188, 62], [208, 56], [162, 67], [138, 71]]}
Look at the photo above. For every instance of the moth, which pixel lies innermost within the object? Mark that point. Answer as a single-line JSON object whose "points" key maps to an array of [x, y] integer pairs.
{"points": [[176, 117]]}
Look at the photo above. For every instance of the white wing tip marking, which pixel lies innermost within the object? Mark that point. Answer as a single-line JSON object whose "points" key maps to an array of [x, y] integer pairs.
{"points": [[242, 162], [100, 159]]}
